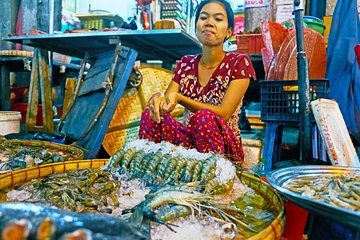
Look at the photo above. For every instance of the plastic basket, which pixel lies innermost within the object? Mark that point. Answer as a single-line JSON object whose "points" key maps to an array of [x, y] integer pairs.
{"points": [[280, 99], [276, 228], [249, 43]]}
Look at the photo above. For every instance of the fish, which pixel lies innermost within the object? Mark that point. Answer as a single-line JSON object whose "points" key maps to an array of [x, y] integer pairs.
{"points": [[65, 222]]}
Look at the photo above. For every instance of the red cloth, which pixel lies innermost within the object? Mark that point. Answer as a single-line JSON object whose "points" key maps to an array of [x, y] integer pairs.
{"points": [[206, 132], [357, 53]]}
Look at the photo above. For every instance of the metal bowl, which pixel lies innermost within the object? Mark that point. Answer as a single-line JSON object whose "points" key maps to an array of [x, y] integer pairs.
{"points": [[277, 178]]}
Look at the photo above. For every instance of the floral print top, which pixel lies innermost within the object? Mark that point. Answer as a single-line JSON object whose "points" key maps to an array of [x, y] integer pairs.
{"points": [[233, 66]]}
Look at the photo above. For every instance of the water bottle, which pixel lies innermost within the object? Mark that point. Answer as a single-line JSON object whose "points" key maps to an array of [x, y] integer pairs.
{"points": [[259, 169]]}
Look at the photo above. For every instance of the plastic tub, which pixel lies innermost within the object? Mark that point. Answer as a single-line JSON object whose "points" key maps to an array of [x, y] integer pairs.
{"points": [[314, 23], [9, 122]]}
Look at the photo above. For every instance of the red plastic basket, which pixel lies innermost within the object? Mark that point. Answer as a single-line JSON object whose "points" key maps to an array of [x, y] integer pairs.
{"points": [[249, 43]]}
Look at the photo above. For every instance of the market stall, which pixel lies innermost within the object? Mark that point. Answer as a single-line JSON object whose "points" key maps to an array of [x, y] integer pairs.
{"points": [[149, 190]]}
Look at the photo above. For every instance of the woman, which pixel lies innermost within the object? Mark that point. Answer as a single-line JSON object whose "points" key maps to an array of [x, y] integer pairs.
{"points": [[209, 85]]}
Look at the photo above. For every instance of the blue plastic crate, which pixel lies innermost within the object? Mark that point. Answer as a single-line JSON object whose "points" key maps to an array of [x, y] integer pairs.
{"points": [[280, 98]]}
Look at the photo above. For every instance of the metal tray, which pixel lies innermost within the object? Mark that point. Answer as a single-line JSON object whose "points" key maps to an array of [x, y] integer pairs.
{"points": [[277, 178]]}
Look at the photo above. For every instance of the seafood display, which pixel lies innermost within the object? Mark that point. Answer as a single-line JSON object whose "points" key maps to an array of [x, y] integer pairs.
{"points": [[173, 205], [18, 154], [329, 191], [341, 190], [84, 190], [164, 163], [31, 221], [163, 190]]}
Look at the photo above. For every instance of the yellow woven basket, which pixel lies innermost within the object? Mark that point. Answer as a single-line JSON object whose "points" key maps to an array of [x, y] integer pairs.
{"points": [[125, 122], [15, 178], [115, 140], [272, 232]]}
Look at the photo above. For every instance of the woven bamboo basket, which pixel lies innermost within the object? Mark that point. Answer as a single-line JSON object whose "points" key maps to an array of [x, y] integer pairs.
{"points": [[276, 228], [15, 178], [272, 232], [70, 152], [115, 140], [133, 102]]}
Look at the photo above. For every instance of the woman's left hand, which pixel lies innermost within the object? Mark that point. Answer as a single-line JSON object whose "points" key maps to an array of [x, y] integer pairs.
{"points": [[171, 101]]}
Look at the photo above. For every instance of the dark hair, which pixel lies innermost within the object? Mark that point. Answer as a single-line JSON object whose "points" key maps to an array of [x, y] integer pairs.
{"points": [[228, 9]]}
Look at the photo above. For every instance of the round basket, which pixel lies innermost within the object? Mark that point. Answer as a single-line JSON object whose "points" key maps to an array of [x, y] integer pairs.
{"points": [[272, 232], [68, 152], [15, 178], [276, 228], [125, 122]]}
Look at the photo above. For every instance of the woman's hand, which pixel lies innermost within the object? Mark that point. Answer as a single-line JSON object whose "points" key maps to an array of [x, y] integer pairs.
{"points": [[171, 101], [160, 104], [155, 105]]}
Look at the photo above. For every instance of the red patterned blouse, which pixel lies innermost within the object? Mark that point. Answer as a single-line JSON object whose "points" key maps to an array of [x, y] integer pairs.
{"points": [[233, 66]]}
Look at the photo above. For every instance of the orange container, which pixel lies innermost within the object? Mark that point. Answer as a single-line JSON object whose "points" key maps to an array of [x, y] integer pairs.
{"points": [[249, 43]]}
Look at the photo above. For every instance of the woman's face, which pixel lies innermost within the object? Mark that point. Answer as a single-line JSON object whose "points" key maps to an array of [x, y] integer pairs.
{"points": [[212, 25]]}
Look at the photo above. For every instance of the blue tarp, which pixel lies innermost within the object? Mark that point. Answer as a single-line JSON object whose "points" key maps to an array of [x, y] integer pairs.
{"points": [[342, 69]]}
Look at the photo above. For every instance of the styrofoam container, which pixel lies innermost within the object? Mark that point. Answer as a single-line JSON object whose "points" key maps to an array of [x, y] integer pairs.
{"points": [[334, 133], [9, 122]]}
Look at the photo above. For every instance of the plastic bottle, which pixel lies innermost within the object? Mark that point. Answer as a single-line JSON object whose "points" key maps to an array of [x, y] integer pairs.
{"points": [[259, 169]]}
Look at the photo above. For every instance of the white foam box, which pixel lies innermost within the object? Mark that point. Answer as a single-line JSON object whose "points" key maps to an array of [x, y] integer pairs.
{"points": [[334, 133]]}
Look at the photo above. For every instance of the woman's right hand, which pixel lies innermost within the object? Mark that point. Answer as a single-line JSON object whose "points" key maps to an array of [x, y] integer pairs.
{"points": [[155, 104]]}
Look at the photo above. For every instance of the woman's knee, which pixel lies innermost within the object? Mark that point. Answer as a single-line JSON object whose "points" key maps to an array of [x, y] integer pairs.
{"points": [[145, 114], [204, 116]]}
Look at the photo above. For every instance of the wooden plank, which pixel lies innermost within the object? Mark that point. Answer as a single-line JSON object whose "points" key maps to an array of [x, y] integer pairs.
{"points": [[5, 88], [45, 79], [33, 101], [69, 89]]}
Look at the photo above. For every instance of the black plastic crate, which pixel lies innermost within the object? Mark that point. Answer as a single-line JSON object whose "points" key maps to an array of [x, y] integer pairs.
{"points": [[280, 98]]}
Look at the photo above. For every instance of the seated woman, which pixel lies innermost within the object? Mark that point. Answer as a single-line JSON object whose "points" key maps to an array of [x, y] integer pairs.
{"points": [[209, 85]]}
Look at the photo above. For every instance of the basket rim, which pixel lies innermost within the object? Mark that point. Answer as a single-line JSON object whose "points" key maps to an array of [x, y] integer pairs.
{"points": [[278, 224]]}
